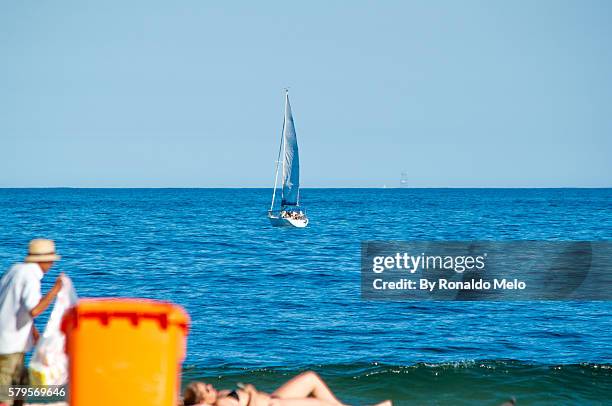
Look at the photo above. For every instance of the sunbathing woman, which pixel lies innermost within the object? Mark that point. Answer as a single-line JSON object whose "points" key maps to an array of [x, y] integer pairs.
{"points": [[306, 389]]}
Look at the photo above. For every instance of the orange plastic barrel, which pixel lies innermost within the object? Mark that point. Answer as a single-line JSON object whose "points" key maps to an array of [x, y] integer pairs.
{"points": [[124, 352]]}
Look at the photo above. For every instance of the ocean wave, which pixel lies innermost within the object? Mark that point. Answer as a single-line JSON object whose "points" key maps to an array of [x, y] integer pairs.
{"points": [[462, 382]]}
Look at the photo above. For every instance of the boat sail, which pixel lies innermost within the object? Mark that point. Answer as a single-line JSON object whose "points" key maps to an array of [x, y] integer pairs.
{"points": [[290, 212]]}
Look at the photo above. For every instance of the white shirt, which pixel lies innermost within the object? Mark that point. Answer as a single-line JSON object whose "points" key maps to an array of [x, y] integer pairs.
{"points": [[19, 294]]}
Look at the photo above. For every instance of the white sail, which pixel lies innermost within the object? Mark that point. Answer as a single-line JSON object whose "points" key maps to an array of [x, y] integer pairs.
{"points": [[291, 160]]}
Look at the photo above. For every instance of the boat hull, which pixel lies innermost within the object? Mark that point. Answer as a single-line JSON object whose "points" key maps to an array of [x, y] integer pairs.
{"points": [[288, 222]]}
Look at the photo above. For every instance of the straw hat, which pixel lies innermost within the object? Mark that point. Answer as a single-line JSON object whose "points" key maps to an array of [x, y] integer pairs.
{"points": [[41, 250]]}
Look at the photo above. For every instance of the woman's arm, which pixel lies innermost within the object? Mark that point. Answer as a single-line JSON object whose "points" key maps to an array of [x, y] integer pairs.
{"points": [[307, 385], [251, 393]]}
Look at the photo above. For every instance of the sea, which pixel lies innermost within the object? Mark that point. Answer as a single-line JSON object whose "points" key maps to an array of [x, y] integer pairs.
{"points": [[267, 303]]}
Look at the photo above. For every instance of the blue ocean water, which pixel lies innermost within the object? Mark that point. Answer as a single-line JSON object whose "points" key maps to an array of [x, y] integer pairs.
{"points": [[268, 302]]}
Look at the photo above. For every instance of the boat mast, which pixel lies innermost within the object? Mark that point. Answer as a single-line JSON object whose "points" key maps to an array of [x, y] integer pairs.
{"points": [[280, 148], [284, 146]]}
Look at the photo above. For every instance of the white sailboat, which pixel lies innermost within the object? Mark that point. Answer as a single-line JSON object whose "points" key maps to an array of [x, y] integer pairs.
{"points": [[289, 213]]}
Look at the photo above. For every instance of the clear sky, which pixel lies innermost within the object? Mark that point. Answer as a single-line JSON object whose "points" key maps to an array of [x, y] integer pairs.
{"points": [[189, 93]]}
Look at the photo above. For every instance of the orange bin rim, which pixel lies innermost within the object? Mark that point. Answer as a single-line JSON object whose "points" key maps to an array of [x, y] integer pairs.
{"points": [[134, 309]]}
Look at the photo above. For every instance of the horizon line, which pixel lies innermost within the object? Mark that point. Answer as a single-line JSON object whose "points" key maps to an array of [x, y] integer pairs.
{"points": [[320, 187]]}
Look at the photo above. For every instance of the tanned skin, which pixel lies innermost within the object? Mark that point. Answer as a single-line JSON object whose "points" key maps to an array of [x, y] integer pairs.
{"points": [[48, 298]]}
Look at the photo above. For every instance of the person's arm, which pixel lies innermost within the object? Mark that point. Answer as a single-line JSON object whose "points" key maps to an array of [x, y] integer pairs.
{"points": [[251, 392], [307, 384], [47, 299], [35, 333]]}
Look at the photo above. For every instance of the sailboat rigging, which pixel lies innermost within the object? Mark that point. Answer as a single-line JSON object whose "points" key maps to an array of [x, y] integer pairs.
{"points": [[289, 213]]}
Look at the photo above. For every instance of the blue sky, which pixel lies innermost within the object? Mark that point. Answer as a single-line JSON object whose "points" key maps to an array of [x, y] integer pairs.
{"points": [[189, 93]]}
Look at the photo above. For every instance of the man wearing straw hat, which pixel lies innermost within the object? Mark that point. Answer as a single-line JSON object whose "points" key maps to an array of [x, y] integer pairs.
{"points": [[20, 302]]}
